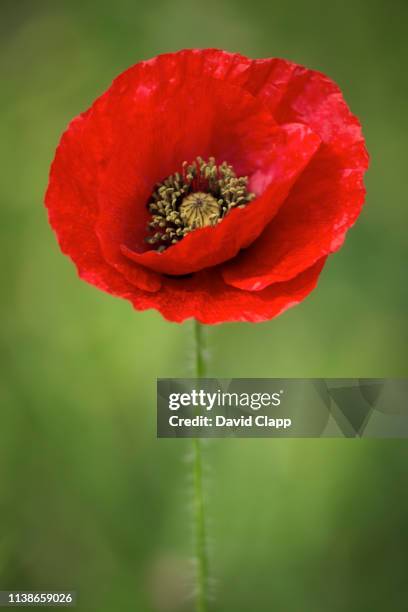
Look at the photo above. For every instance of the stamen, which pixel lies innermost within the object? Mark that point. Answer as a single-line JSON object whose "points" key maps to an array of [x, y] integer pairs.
{"points": [[201, 196]]}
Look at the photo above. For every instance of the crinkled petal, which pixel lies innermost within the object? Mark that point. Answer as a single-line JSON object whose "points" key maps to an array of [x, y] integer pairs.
{"points": [[208, 299], [326, 200]]}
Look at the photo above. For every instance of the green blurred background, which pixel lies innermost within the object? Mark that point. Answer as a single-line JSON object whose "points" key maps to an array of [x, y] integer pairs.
{"points": [[89, 499]]}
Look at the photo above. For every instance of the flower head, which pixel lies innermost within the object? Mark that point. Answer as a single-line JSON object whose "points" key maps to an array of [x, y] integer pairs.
{"points": [[208, 185]]}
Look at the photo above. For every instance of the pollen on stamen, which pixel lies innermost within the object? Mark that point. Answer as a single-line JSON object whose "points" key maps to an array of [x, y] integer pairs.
{"points": [[200, 196]]}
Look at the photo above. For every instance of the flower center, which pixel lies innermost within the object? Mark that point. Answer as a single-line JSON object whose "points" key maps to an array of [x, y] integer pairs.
{"points": [[200, 196]]}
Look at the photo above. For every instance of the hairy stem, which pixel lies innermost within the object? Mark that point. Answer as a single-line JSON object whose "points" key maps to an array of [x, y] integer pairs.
{"points": [[199, 506]]}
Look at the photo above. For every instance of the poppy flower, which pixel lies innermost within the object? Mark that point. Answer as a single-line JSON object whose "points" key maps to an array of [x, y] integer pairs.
{"points": [[209, 185]]}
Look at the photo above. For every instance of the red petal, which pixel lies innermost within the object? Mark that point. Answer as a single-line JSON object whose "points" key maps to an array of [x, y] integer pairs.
{"points": [[326, 200], [209, 300], [71, 200]]}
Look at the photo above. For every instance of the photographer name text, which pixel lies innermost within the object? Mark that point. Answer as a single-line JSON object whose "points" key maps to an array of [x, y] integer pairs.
{"points": [[201, 421]]}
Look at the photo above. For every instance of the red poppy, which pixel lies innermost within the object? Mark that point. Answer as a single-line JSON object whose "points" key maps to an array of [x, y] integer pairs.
{"points": [[144, 219]]}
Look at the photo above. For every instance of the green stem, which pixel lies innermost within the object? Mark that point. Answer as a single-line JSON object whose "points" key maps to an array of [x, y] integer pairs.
{"points": [[199, 507]]}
